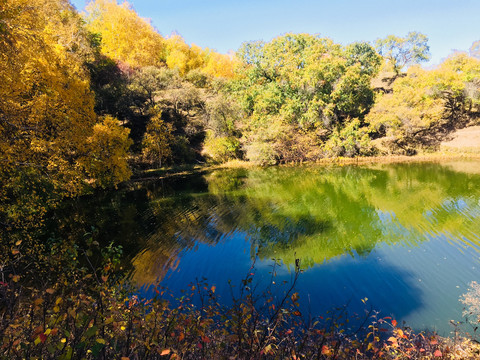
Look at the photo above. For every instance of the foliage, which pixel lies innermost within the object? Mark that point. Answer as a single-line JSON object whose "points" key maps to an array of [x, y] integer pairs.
{"points": [[427, 104], [350, 141], [303, 84], [86, 314], [401, 52], [125, 37], [107, 149], [221, 149], [156, 143], [48, 126], [182, 57]]}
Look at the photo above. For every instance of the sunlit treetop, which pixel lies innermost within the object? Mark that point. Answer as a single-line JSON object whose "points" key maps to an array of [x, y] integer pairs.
{"points": [[125, 36], [401, 52]]}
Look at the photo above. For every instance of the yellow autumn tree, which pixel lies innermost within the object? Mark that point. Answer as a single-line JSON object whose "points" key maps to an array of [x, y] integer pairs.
{"points": [[125, 36], [185, 58], [107, 150], [46, 107], [181, 56], [220, 65], [425, 105]]}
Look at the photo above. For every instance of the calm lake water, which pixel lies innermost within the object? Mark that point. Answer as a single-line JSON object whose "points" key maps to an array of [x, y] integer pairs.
{"points": [[405, 236]]}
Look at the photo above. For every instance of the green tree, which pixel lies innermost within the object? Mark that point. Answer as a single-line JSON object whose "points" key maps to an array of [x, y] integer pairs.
{"points": [[299, 89], [400, 52]]}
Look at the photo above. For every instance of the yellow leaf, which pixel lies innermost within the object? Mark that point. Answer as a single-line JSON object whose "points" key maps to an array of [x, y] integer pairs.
{"points": [[165, 352], [393, 340]]}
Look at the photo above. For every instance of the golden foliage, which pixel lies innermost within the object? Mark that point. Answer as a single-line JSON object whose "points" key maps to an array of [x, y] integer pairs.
{"points": [[126, 37], [47, 118], [107, 152]]}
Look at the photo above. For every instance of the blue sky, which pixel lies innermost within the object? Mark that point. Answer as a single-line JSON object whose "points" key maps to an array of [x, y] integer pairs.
{"points": [[224, 25]]}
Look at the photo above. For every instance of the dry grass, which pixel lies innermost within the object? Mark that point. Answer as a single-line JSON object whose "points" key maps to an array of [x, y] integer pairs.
{"points": [[465, 140]]}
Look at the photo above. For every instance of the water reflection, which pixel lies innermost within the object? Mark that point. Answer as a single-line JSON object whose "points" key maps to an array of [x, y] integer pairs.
{"points": [[331, 217], [315, 213]]}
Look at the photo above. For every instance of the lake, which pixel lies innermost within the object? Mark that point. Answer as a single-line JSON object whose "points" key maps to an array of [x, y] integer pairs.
{"points": [[404, 238]]}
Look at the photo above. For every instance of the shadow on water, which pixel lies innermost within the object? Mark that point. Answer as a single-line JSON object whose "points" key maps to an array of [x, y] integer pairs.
{"points": [[337, 220], [384, 287]]}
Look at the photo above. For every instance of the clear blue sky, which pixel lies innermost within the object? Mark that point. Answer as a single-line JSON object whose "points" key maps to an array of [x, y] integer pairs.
{"points": [[223, 25]]}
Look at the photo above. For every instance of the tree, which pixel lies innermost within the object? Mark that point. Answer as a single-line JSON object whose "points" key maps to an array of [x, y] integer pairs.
{"points": [[107, 148], [426, 105], [182, 57], [125, 36], [401, 52], [156, 143], [47, 116], [300, 88], [362, 54]]}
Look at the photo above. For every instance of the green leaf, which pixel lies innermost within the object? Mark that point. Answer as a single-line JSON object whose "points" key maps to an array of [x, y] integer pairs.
{"points": [[91, 331]]}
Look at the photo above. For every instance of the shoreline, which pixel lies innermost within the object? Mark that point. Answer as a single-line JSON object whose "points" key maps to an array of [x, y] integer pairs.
{"points": [[183, 170]]}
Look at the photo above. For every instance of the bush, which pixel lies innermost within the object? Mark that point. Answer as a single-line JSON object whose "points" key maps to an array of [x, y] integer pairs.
{"points": [[86, 313], [350, 141], [221, 149]]}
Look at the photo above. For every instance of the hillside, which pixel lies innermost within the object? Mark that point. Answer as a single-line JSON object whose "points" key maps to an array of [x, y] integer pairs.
{"points": [[465, 140]]}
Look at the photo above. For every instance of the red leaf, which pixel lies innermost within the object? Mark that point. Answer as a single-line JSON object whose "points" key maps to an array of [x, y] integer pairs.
{"points": [[206, 339], [437, 353], [325, 350], [42, 337], [394, 322]]}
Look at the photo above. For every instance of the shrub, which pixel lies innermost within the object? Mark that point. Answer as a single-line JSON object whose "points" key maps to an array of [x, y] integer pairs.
{"points": [[221, 149]]}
